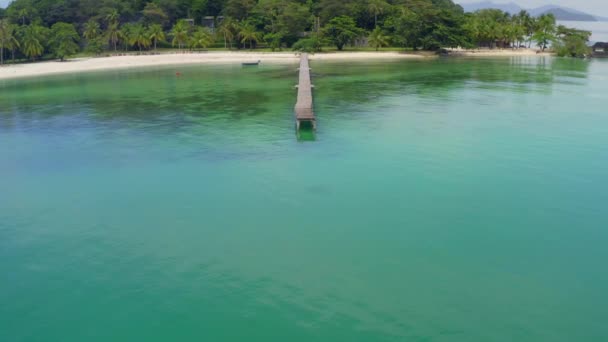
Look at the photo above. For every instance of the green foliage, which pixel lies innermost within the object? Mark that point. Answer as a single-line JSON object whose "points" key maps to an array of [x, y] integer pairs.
{"points": [[64, 40], [95, 46], [239, 9], [32, 38], [139, 37], [572, 42], [113, 34], [545, 31], [180, 33], [201, 39], [376, 8], [8, 38], [91, 30], [153, 14], [274, 40], [156, 34], [310, 45], [248, 34], [378, 39], [227, 30], [342, 31], [304, 25]]}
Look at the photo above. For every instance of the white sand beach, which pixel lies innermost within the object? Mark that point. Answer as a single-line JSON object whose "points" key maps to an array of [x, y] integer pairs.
{"points": [[134, 61], [497, 52]]}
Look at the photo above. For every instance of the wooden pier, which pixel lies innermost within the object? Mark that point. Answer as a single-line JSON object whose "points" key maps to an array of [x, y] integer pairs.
{"points": [[303, 108]]}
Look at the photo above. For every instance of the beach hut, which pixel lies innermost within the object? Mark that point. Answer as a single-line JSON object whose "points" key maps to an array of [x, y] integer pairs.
{"points": [[600, 49]]}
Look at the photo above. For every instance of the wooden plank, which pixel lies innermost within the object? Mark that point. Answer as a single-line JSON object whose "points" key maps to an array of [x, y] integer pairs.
{"points": [[304, 104]]}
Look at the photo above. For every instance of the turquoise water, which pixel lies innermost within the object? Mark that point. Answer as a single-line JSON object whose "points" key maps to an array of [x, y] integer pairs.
{"points": [[443, 200]]}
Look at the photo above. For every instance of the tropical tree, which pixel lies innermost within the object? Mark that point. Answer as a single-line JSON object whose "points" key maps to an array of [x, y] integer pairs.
{"points": [[112, 17], [156, 34], [377, 7], [378, 39], [572, 42], [515, 31], [274, 40], [406, 28], [248, 33], [124, 33], [311, 45], [7, 37], [180, 34], [33, 36], [200, 39], [341, 31], [91, 30], [226, 30], [64, 40], [545, 31], [139, 37], [527, 23], [113, 34], [23, 14], [154, 14]]}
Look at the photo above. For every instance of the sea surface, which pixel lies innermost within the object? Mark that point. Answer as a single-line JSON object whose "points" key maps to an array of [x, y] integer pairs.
{"points": [[439, 200]]}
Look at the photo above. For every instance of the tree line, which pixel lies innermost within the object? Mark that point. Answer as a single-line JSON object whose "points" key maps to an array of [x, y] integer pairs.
{"points": [[60, 28]]}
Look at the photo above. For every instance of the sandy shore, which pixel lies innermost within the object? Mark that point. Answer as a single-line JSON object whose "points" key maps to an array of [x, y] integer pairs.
{"points": [[497, 52], [126, 62], [133, 61]]}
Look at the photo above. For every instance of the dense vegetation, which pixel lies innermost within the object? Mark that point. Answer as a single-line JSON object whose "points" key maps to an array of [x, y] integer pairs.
{"points": [[59, 28]]}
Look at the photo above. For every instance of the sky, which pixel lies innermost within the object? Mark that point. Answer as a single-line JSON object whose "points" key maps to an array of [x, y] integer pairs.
{"points": [[594, 7]]}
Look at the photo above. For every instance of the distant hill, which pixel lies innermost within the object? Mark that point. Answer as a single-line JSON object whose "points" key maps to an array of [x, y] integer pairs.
{"points": [[505, 7], [565, 15], [561, 13]]}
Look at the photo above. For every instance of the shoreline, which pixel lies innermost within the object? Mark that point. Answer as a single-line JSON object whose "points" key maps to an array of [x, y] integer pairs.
{"points": [[523, 52], [92, 64]]}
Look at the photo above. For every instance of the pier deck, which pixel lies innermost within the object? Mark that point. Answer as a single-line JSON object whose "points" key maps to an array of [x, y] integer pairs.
{"points": [[303, 109]]}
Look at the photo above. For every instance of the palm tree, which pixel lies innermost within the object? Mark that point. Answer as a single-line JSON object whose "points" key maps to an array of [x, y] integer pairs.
{"points": [[32, 46], [23, 13], [13, 44], [91, 30], [124, 33], [113, 34], [226, 29], [5, 33], [156, 33], [139, 37], [112, 17], [376, 7], [527, 22], [377, 39], [546, 29], [3, 38], [8, 39], [200, 39], [247, 33], [180, 33]]}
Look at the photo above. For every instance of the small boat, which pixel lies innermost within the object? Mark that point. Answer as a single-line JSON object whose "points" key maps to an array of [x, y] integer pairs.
{"points": [[251, 63]]}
